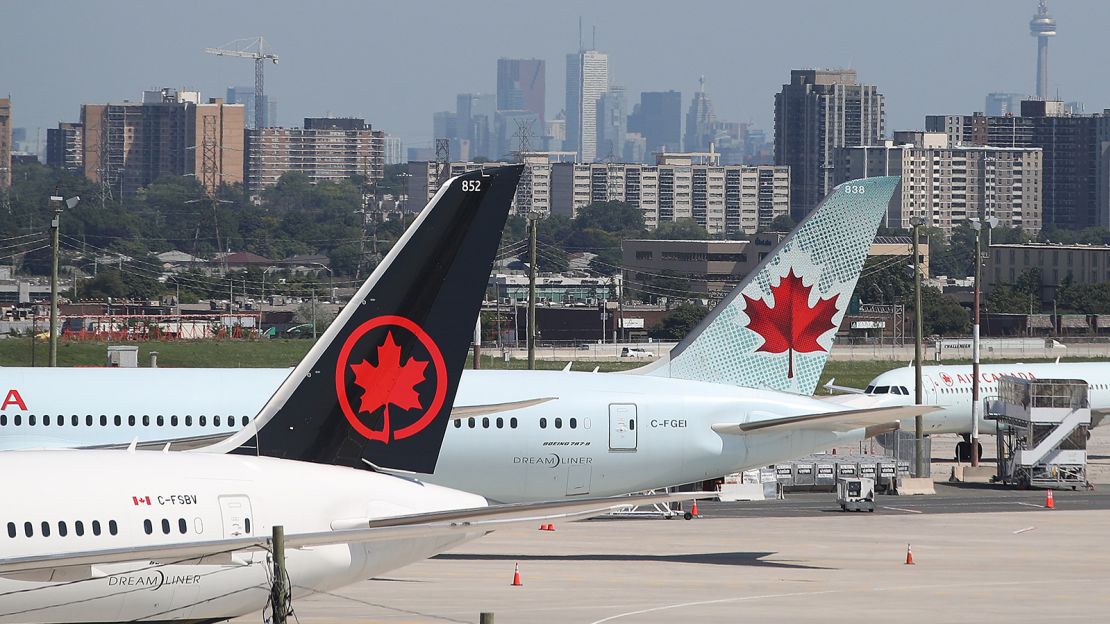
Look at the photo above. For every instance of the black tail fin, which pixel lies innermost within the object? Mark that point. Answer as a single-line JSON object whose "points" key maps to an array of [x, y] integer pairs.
{"points": [[378, 385]]}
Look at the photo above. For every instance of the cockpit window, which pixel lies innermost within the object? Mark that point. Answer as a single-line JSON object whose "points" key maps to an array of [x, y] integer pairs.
{"points": [[905, 390], [869, 390], [882, 390]]}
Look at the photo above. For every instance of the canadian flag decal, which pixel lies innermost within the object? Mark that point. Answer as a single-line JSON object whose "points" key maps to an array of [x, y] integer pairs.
{"points": [[140, 500]]}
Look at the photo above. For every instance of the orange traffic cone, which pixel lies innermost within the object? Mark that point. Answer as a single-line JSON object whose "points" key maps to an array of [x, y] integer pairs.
{"points": [[543, 527], [909, 555], [550, 527], [1049, 502], [694, 510], [516, 576]]}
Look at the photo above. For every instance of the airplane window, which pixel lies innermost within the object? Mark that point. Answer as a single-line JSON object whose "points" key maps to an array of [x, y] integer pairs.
{"points": [[3, 420], [543, 423], [148, 527], [188, 421], [45, 528], [173, 420], [62, 529], [558, 423], [869, 390], [246, 419], [231, 421], [165, 526], [573, 423], [118, 420], [103, 420], [470, 422], [88, 420], [203, 421], [11, 529], [512, 422], [216, 421], [500, 422], [247, 525], [16, 420], [485, 422], [74, 420], [113, 528], [182, 526], [31, 420], [79, 528], [146, 420], [161, 420], [458, 423], [28, 529], [96, 527], [45, 420]]}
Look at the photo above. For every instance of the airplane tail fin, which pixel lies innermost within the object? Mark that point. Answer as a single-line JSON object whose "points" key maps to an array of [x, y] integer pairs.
{"points": [[378, 385], [775, 329]]}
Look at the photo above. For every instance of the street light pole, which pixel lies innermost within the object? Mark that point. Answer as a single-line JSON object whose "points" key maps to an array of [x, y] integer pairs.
{"points": [[532, 218], [921, 463], [54, 223], [975, 401]]}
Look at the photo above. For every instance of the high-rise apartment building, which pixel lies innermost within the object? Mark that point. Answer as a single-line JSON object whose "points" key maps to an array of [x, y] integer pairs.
{"points": [[658, 118], [129, 145], [521, 85], [729, 199], [1075, 183], [324, 149], [587, 80], [5, 142], [64, 149], [700, 121], [948, 184], [394, 150], [817, 112], [245, 96]]}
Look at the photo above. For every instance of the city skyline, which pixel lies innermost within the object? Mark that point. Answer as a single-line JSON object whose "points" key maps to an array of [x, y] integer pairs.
{"points": [[343, 73]]}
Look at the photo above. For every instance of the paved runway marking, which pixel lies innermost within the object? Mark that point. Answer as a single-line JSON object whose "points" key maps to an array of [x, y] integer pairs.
{"points": [[822, 592], [901, 509], [1031, 505], [1025, 530]]}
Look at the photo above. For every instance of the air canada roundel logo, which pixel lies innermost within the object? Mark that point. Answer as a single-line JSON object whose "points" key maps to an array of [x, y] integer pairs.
{"points": [[946, 378], [390, 379]]}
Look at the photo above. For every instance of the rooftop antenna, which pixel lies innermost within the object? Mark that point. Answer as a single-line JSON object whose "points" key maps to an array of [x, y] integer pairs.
{"points": [[580, 46], [593, 44]]}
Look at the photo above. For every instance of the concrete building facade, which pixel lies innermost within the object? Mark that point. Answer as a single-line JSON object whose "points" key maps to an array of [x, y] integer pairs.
{"points": [[64, 149], [817, 112], [129, 145], [325, 149], [1077, 264], [950, 184]]}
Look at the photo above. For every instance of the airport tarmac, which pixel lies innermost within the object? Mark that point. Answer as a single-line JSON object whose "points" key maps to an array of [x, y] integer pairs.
{"points": [[798, 560]]}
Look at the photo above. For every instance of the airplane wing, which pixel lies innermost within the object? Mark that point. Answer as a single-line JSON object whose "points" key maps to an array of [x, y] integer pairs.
{"points": [[468, 411], [176, 444], [1097, 416], [875, 419], [831, 385], [431, 524]]}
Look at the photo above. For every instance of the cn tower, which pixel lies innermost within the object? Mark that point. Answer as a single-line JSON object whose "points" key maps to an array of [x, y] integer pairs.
{"points": [[1042, 26]]}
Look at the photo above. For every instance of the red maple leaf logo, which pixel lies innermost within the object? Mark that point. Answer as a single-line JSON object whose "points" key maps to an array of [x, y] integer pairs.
{"points": [[791, 325], [390, 382]]}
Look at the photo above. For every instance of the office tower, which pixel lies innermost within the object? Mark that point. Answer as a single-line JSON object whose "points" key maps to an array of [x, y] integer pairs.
{"points": [[327, 148], [475, 118], [612, 119], [521, 85], [5, 142], [393, 150], [587, 80], [700, 121], [1042, 26], [658, 118], [817, 112], [245, 96], [128, 145], [555, 133], [999, 104], [63, 147], [948, 184]]}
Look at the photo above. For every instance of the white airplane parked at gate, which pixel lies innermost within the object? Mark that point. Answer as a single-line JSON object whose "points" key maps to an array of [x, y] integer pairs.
{"points": [[949, 388], [128, 535], [735, 394]]}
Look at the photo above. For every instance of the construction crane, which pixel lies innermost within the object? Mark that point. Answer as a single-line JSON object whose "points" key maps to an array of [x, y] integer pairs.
{"points": [[254, 48]]}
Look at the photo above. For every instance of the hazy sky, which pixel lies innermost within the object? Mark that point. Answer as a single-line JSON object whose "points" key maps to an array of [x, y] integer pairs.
{"points": [[396, 63]]}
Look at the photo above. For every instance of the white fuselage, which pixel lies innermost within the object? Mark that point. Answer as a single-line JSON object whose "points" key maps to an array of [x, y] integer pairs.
{"points": [[604, 434], [63, 501], [949, 387]]}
